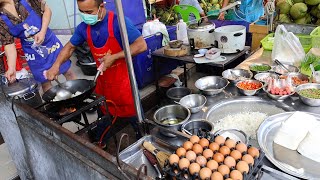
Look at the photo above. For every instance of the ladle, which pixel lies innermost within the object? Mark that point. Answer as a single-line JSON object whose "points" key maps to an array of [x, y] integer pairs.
{"points": [[62, 93]]}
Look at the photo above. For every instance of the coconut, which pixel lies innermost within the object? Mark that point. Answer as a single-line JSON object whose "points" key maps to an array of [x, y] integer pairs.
{"points": [[297, 1], [302, 20], [318, 22], [312, 2], [284, 18], [298, 10], [283, 7]]}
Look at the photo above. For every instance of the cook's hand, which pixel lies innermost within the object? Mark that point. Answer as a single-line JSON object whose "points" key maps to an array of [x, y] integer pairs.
{"points": [[39, 37], [205, 19], [221, 16], [52, 73], [11, 75], [107, 62]]}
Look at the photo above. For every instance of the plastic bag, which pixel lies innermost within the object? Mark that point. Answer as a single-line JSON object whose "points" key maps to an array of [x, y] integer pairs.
{"points": [[287, 47], [154, 27]]}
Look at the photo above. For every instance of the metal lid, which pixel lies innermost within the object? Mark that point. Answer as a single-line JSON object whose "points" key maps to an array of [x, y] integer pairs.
{"points": [[202, 26], [21, 87]]}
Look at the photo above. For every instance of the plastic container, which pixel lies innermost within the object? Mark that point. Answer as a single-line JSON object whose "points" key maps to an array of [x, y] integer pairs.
{"points": [[305, 40], [315, 35], [182, 32]]}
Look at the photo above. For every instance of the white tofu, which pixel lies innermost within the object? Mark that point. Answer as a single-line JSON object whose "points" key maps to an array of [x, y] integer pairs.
{"points": [[294, 130], [310, 145]]}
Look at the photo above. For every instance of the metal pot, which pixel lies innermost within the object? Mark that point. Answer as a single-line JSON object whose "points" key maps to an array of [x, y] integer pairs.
{"points": [[193, 127], [202, 35], [176, 93], [231, 38], [171, 117], [24, 90]]}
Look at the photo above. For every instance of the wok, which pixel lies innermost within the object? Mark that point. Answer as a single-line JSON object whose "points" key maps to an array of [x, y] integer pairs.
{"points": [[84, 86]]}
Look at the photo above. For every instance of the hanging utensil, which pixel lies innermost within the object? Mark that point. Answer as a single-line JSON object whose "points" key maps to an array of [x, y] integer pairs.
{"points": [[160, 155], [153, 161], [281, 65]]}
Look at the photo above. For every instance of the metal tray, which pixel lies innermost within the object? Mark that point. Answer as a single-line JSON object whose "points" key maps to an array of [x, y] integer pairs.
{"points": [[133, 154], [268, 173], [285, 159]]}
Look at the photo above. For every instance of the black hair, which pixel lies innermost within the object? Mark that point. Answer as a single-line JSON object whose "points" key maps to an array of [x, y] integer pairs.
{"points": [[98, 2]]}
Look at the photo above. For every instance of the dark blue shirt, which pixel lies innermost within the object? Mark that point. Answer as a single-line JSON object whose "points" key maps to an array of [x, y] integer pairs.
{"points": [[100, 34]]}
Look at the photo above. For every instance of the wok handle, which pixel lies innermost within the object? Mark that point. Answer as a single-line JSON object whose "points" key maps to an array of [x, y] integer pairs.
{"points": [[96, 76]]}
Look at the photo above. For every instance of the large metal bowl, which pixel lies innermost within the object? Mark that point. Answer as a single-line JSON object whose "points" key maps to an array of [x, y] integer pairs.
{"points": [[249, 92], [280, 70], [262, 77], [176, 93], [235, 75], [171, 117], [193, 127], [194, 102], [308, 101], [211, 85]]}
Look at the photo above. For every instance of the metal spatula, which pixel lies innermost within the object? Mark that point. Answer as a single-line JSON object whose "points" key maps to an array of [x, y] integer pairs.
{"points": [[62, 93]]}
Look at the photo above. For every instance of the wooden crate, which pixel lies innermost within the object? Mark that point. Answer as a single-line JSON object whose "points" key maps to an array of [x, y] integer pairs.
{"points": [[258, 33]]}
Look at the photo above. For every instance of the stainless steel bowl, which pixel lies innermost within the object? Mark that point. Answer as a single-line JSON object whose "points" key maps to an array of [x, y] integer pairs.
{"points": [[298, 75], [235, 75], [171, 117], [193, 127], [280, 70], [258, 64], [175, 43], [242, 136], [277, 97], [176, 93], [211, 85], [249, 92], [262, 77], [308, 101], [194, 102]]}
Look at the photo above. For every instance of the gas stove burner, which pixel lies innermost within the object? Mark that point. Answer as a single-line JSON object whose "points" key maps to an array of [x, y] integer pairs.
{"points": [[66, 110]]}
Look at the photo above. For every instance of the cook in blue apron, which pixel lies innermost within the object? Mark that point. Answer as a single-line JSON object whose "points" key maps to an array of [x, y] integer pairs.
{"points": [[249, 10], [39, 57]]}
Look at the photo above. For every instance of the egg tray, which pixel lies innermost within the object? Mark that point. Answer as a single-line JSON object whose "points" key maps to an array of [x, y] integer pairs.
{"points": [[173, 171]]}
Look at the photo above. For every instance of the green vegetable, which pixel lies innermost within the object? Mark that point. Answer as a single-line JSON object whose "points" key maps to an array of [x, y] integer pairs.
{"points": [[260, 68], [310, 93], [305, 64]]}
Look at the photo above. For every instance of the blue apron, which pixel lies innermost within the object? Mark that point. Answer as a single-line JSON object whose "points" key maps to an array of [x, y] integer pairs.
{"points": [[37, 62]]}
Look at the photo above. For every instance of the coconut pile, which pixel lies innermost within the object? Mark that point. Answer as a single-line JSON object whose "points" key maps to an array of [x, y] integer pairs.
{"points": [[299, 11]]}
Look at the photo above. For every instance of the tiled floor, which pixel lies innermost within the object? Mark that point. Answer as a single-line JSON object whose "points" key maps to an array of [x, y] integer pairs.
{"points": [[7, 167]]}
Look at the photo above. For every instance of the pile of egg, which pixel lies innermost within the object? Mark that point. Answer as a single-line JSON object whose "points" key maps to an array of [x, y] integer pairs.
{"points": [[217, 160]]}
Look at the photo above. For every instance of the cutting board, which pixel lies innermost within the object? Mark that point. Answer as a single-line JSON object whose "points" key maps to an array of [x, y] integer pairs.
{"points": [[202, 60]]}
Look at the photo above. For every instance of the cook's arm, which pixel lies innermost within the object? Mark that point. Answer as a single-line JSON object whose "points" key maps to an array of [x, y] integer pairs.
{"points": [[46, 17], [137, 47], [225, 3], [11, 54], [63, 56]]}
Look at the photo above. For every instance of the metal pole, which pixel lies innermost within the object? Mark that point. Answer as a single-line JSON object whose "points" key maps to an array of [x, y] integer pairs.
{"points": [[126, 49]]}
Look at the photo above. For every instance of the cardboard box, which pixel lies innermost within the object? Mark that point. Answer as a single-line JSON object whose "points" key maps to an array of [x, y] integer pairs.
{"points": [[258, 33]]}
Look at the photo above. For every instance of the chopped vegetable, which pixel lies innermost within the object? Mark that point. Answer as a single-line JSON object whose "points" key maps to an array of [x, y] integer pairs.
{"points": [[260, 68], [247, 85], [310, 93]]}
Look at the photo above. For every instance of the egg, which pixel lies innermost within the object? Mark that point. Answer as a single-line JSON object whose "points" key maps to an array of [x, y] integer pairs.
{"points": [[173, 159], [218, 157], [216, 176], [248, 158], [208, 153], [201, 160], [187, 145], [212, 165], [241, 147], [254, 152], [191, 156], [224, 150], [230, 162], [223, 169], [205, 173], [184, 163], [230, 143], [235, 174], [194, 168], [242, 166], [204, 142], [194, 139], [181, 152], [228, 179], [214, 146], [219, 140], [197, 148], [236, 154]]}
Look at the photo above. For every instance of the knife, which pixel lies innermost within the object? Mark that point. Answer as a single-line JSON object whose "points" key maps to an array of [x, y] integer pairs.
{"points": [[153, 161]]}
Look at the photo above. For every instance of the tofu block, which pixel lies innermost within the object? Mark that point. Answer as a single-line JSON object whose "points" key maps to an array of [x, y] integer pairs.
{"points": [[310, 145]]}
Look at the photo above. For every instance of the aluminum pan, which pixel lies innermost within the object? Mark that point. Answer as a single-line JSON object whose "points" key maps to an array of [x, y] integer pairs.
{"points": [[287, 160]]}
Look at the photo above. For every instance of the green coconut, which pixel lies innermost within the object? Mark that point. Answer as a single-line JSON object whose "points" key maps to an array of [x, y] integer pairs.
{"points": [[302, 20], [298, 10], [312, 2], [214, 1], [318, 22], [297, 1], [285, 18], [283, 7]]}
